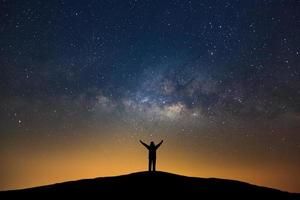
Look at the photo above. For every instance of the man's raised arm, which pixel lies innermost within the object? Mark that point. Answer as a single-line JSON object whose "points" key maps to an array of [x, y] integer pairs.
{"points": [[159, 144], [144, 144]]}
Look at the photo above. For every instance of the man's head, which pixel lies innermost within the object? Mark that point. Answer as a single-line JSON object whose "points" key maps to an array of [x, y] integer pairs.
{"points": [[152, 143]]}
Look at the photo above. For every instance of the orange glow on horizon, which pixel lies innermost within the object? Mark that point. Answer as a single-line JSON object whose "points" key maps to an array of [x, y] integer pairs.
{"points": [[26, 167]]}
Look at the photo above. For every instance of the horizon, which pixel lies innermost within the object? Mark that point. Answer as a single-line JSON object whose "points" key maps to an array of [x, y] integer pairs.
{"points": [[140, 172], [83, 81]]}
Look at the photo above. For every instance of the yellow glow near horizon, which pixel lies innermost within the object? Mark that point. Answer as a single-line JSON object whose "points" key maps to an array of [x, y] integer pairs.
{"points": [[88, 158]]}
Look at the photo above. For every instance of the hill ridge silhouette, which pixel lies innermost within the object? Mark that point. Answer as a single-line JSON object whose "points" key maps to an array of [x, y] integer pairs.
{"points": [[153, 183]]}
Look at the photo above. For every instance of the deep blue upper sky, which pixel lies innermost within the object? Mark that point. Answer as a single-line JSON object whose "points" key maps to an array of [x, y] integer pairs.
{"points": [[237, 57]]}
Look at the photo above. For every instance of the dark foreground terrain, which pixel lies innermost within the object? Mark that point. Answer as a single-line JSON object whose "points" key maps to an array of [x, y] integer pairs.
{"points": [[152, 185]]}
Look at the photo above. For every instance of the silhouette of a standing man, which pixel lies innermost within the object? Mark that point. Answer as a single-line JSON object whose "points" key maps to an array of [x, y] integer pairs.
{"points": [[152, 154]]}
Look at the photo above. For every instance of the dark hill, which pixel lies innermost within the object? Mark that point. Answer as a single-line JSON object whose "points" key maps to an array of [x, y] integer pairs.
{"points": [[152, 185]]}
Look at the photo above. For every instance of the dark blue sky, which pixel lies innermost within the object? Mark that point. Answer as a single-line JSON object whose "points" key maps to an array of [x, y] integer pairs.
{"points": [[238, 59], [110, 44]]}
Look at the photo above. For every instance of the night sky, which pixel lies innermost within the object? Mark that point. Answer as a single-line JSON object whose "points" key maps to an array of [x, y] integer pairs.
{"points": [[82, 81]]}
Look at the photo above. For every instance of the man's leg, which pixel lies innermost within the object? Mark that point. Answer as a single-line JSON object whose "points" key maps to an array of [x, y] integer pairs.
{"points": [[154, 163], [149, 165]]}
